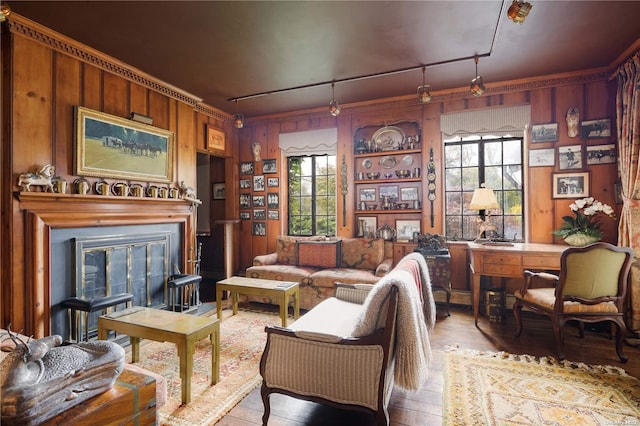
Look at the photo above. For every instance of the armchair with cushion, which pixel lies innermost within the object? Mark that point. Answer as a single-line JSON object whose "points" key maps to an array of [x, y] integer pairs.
{"points": [[591, 288]]}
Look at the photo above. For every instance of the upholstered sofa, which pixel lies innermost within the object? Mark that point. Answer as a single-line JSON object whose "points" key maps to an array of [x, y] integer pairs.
{"points": [[361, 343], [318, 263]]}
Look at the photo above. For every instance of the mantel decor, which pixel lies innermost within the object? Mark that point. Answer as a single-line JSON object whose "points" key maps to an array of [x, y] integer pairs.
{"points": [[114, 147]]}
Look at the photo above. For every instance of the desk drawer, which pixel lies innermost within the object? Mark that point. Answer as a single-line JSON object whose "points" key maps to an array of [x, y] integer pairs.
{"points": [[541, 262], [502, 270], [502, 259]]}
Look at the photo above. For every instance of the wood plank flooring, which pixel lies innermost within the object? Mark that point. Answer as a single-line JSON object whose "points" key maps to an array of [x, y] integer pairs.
{"points": [[424, 407]]}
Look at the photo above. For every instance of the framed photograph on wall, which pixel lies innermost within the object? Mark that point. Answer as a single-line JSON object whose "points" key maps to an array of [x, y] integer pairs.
{"points": [[246, 168], [245, 183], [273, 214], [215, 139], [269, 166], [258, 183], [367, 226], [245, 215], [409, 193], [542, 157], [259, 228], [245, 201], [570, 185], [258, 201], [259, 214], [388, 191], [601, 154], [595, 129], [272, 182], [109, 146], [218, 191], [406, 228], [273, 200], [368, 194], [570, 157], [544, 132]]}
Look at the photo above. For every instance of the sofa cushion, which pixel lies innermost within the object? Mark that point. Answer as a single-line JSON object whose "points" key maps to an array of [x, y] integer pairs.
{"points": [[299, 274], [331, 316], [362, 253], [287, 249], [329, 277], [319, 254]]}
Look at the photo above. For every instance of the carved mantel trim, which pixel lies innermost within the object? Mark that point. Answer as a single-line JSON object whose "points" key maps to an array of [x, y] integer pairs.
{"points": [[46, 211]]}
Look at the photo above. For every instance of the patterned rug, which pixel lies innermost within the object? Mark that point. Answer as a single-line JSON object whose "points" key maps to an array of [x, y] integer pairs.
{"points": [[242, 340], [483, 388]]}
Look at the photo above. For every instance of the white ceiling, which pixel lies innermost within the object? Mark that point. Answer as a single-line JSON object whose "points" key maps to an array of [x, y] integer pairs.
{"points": [[217, 50]]}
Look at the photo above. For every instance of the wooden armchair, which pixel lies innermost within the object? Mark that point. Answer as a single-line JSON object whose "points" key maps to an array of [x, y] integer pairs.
{"points": [[591, 288]]}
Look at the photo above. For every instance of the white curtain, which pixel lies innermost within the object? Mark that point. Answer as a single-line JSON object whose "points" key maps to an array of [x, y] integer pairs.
{"points": [[495, 121], [311, 142]]}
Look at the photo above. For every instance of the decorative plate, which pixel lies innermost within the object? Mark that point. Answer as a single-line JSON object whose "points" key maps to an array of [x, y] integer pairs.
{"points": [[407, 160], [367, 164], [388, 162], [388, 138]]}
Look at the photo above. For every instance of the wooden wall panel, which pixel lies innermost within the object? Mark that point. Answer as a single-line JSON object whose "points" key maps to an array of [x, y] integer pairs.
{"points": [[67, 95], [160, 110], [116, 95], [91, 87], [138, 99]]}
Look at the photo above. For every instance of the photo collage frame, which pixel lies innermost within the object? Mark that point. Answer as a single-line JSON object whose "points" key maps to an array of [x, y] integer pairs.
{"points": [[259, 194]]}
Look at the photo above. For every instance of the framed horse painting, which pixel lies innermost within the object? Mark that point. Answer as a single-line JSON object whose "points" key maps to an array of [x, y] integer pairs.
{"points": [[115, 147]]}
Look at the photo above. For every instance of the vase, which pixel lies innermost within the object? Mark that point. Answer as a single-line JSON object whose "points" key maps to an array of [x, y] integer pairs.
{"points": [[580, 240]]}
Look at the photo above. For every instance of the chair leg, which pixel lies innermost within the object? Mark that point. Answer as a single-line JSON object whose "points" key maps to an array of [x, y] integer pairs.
{"points": [[264, 392], [558, 330], [620, 333], [517, 309]]}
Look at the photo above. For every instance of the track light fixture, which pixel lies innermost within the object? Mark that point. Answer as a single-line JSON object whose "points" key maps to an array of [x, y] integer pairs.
{"points": [[424, 91], [238, 119], [477, 87], [334, 108], [518, 11], [5, 11]]}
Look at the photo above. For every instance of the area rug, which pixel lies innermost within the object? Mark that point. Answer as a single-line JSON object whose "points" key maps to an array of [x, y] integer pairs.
{"points": [[486, 388], [242, 340]]}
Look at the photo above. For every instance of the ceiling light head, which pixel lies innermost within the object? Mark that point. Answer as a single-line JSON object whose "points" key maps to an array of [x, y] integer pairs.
{"points": [[334, 108], [238, 121], [518, 11], [424, 91], [477, 87], [5, 11]]}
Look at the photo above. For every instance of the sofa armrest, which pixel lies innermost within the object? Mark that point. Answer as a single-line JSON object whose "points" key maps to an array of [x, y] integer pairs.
{"points": [[265, 259], [384, 268]]}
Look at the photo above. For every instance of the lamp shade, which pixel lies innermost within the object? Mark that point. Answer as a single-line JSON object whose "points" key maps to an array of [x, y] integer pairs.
{"points": [[484, 199]]}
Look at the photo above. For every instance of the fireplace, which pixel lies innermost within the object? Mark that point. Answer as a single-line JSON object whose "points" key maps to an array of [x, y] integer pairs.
{"points": [[89, 246]]}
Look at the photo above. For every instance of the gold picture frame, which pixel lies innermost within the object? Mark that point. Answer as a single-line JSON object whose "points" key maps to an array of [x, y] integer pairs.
{"points": [[215, 139], [114, 147]]}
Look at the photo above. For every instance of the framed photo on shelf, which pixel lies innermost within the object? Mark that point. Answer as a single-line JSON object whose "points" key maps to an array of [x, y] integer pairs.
{"points": [[259, 214], [218, 191], [245, 201], [542, 157], [367, 226], [258, 183], [570, 185], [108, 146], [570, 157], [273, 200], [368, 194], [259, 228], [273, 214], [258, 201], [388, 191], [269, 166], [272, 182], [601, 154], [246, 168], [406, 228], [595, 129], [409, 193], [245, 183], [544, 132]]}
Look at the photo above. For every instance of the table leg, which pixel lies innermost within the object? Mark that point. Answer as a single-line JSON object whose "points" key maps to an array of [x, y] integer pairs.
{"points": [[219, 302], [135, 349], [102, 332], [185, 352], [215, 354], [476, 296], [296, 303], [284, 308], [234, 299]]}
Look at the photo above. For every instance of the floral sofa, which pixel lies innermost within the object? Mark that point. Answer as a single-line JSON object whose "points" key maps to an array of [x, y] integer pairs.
{"points": [[318, 263]]}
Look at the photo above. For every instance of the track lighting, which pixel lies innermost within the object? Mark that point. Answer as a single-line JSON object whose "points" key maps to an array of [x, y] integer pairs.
{"points": [[238, 119], [518, 11], [334, 108], [424, 91], [477, 87]]}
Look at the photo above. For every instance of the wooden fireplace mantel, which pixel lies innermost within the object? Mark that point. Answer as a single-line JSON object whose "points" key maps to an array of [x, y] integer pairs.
{"points": [[45, 211]]}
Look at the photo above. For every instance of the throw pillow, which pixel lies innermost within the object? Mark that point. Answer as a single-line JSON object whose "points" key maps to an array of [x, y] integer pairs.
{"points": [[319, 254], [362, 253], [287, 249]]}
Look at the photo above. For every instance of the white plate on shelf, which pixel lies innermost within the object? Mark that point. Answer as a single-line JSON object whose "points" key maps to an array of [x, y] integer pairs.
{"points": [[367, 163], [388, 138], [407, 160]]}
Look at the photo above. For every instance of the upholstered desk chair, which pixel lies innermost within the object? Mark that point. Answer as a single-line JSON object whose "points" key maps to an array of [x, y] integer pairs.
{"points": [[591, 288]]}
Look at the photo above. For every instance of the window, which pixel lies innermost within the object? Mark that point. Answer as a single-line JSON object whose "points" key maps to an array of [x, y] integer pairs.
{"points": [[312, 195], [495, 161]]}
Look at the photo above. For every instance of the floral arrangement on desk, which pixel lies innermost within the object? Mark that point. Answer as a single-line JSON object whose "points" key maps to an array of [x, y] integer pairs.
{"points": [[584, 228]]}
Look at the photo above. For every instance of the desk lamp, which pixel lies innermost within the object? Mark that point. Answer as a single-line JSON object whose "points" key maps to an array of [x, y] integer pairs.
{"points": [[484, 199]]}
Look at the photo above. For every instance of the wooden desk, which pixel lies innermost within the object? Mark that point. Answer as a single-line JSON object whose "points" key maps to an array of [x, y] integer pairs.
{"points": [[510, 262], [281, 290], [164, 326]]}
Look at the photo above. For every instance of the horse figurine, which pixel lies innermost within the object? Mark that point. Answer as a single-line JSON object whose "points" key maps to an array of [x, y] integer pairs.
{"points": [[40, 178], [484, 227]]}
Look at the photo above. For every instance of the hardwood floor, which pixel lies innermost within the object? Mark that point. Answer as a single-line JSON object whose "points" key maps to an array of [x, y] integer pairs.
{"points": [[424, 407]]}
